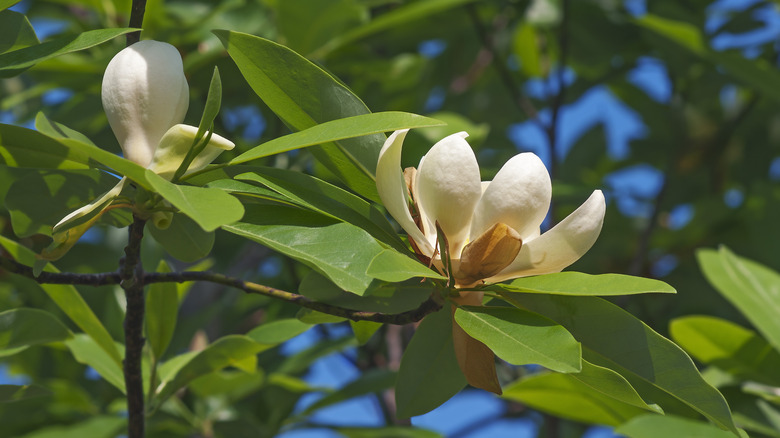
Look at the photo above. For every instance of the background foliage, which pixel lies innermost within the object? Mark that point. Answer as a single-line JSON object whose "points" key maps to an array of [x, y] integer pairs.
{"points": [[670, 107]]}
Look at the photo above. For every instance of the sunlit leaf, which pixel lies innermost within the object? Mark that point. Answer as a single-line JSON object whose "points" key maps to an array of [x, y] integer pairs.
{"points": [[653, 426], [577, 283]]}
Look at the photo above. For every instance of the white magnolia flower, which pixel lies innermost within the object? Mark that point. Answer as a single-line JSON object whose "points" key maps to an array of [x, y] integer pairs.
{"points": [[492, 227], [145, 96]]}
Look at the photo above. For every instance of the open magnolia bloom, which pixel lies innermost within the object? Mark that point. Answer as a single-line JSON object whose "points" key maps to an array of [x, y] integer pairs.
{"points": [[491, 228], [145, 96]]}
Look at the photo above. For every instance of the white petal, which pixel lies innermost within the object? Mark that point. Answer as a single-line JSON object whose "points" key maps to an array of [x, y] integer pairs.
{"points": [[144, 93], [174, 146], [561, 246], [392, 189], [449, 187], [518, 196], [101, 203]]}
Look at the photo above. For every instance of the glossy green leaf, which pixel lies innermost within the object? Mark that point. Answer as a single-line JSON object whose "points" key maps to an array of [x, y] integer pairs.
{"points": [[100, 426], [429, 374], [223, 352], [5, 4], [337, 250], [577, 283], [12, 393], [749, 286], [63, 191], [521, 337], [734, 349], [612, 384], [12, 63], [16, 31], [86, 351], [373, 381], [25, 327], [184, 239], [318, 195], [565, 396], [364, 330], [654, 426], [311, 316], [685, 34], [394, 267], [22, 147], [162, 309], [398, 17], [209, 207], [334, 130], [230, 383], [613, 338], [57, 130], [307, 98], [385, 298], [69, 301], [276, 332]]}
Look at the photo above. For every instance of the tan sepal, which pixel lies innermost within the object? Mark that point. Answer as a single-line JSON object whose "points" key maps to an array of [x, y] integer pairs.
{"points": [[490, 253], [476, 360]]}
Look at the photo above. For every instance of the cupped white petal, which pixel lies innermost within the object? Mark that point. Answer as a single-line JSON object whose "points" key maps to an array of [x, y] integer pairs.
{"points": [[144, 93], [392, 189], [174, 146], [91, 209], [449, 187], [561, 246], [518, 196]]}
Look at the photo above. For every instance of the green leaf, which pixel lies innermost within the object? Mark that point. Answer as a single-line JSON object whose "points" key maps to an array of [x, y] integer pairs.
{"points": [[68, 300], [101, 426], [22, 147], [685, 34], [20, 328], [349, 127], [613, 338], [337, 250], [85, 350], [310, 316], [315, 194], [225, 351], [721, 343], [57, 130], [565, 396], [370, 382], [749, 286], [184, 239], [233, 384], [396, 18], [526, 48], [16, 31], [208, 207], [12, 393], [364, 330], [307, 98], [429, 374], [521, 337], [12, 63], [276, 332], [5, 4], [612, 384], [577, 283], [384, 298], [64, 191], [394, 267], [162, 309], [654, 426]]}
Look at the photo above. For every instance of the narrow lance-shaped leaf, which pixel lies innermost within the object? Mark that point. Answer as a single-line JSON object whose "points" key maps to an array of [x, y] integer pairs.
{"points": [[302, 100], [753, 288], [577, 283], [162, 308], [21, 328], [613, 338], [69, 301]]}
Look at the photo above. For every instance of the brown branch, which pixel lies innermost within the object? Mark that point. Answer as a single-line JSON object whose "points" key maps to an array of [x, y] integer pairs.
{"points": [[132, 281], [136, 20], [108, 278]]}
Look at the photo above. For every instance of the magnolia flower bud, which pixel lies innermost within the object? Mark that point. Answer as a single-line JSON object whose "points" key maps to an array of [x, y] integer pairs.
{"points": [[144, 93], [174, 146]]}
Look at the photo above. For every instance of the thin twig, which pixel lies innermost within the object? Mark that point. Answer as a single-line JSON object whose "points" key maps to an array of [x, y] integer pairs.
{"points": [[136, 20], [108, 278], [132, 282]]}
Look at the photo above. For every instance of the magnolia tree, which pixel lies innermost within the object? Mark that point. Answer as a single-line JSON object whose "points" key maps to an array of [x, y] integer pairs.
{"points": [[462, 263]]}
